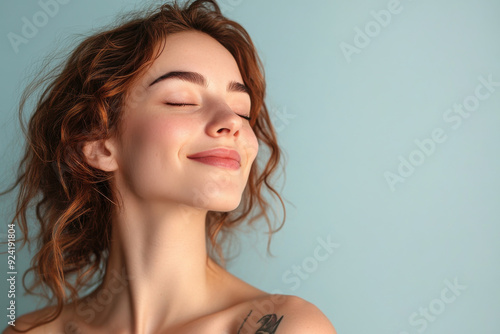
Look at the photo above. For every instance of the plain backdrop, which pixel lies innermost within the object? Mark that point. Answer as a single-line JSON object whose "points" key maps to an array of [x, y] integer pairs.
{"points": [[388, 114]]}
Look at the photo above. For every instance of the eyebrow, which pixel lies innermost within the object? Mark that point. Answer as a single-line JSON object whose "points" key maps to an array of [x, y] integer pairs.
{"points": [[200, 80]]}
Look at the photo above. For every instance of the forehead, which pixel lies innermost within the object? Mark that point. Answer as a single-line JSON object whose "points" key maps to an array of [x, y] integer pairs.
{"points": [[198, 52]]}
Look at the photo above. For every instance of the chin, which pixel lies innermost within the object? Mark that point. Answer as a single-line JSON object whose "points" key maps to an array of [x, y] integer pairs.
{"points": [[221, 203], [217, 199], [224, 206]]}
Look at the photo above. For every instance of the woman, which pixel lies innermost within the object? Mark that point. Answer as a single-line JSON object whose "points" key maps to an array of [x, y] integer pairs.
{"points": [[143, 148]]}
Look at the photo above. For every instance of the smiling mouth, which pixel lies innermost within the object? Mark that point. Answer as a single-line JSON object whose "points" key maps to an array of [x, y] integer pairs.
{"points": [[219, 162], [224, 158]]}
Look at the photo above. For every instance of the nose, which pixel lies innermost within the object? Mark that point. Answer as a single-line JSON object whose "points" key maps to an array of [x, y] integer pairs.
{"points": [[224, 122]]}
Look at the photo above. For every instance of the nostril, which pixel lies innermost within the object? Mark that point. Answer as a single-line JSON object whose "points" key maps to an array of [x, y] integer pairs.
{"points": [[227, 130], [221, 130]]}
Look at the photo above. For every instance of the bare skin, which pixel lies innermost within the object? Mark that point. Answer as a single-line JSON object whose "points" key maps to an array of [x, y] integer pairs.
{"points": [[263, 315], [158, 279]]}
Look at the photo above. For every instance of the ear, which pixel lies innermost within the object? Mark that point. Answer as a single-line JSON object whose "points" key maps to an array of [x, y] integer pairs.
{"points": [[101, 154]]}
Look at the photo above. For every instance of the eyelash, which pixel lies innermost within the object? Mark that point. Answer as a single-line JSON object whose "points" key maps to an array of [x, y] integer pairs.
{"points": [[180, 104], [245, 117], [189, 104]]}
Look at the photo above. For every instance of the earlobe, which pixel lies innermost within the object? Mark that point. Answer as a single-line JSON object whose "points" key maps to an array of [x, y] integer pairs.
{"points": [[100, 154]]}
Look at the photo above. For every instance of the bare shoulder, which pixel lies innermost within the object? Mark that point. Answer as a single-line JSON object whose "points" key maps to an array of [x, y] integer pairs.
{"points": [[30, 319], [304, 317], [284, 314]]}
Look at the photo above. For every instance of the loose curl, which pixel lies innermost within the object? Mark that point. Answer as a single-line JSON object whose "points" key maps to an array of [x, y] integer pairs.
{"points": [[83, 102]]}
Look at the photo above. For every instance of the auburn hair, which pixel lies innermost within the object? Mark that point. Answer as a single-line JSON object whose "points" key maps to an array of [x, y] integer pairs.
{"points": [[82, 101]]}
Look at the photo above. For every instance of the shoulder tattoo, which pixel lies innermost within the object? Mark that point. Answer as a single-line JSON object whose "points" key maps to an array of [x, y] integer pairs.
{"points": [[268, 324]]}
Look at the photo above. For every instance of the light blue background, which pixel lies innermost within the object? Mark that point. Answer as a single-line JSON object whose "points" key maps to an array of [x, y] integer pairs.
{"points": [[343, 124]]}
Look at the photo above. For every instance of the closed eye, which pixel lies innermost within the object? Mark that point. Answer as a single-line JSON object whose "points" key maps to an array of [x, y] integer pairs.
{"points": [[179, 104], [192, 104], [245, 117]]}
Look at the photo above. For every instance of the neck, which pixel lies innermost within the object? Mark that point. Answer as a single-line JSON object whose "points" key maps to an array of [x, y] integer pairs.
{"points": [[158, 273]]}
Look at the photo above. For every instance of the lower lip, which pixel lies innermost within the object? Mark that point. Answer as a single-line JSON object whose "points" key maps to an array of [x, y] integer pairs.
{"points": [[219, 162]]}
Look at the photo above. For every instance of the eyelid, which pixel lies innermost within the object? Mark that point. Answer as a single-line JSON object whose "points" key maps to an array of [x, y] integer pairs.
{"points": [[179, 104], [245, 117], [192, 104]]}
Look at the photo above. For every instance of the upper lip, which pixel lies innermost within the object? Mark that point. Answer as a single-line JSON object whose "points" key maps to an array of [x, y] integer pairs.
{"points": [[219, 153]]}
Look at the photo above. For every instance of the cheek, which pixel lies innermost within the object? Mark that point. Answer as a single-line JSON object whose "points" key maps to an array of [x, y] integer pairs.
{"points": [[163, 131], [251, 145], [170, 132], [153, 142]]}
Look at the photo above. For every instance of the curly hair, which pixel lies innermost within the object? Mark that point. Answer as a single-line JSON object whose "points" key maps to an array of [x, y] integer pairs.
{"points": [[82, 102]]}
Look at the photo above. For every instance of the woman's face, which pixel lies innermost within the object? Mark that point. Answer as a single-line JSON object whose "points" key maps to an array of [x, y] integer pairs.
{"points": [[190, 101]]}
